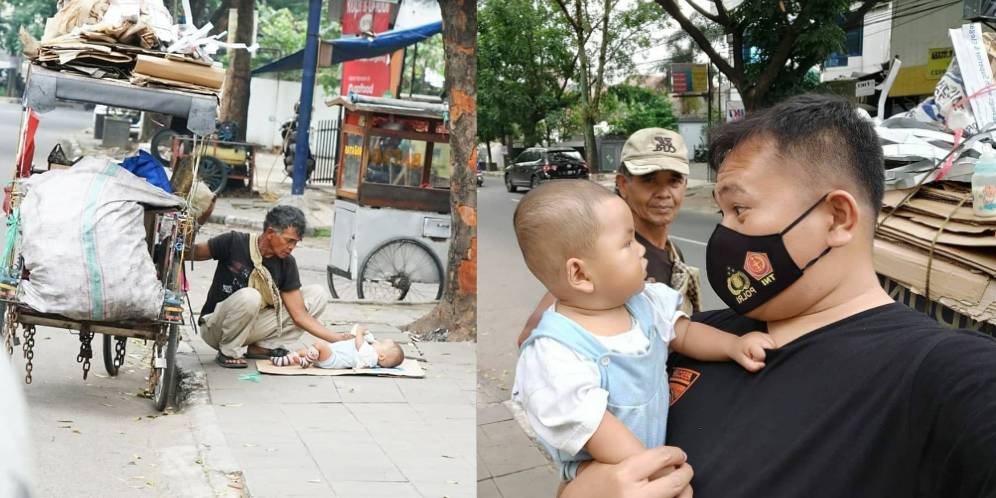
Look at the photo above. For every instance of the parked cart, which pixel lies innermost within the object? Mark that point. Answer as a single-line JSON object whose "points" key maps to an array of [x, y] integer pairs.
{"points": [[168, 233], [391, 230]]}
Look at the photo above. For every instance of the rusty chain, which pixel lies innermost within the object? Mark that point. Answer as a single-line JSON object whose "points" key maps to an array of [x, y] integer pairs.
{"points": [[29, 352]]}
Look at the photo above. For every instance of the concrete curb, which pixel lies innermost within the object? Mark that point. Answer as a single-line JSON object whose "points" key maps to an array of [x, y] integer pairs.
{"points": [[221, 471]]}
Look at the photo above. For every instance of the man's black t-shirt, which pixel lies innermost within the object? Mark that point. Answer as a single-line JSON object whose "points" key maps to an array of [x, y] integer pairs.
{"points": [[235, 264], [659, 264], [885, 403]]}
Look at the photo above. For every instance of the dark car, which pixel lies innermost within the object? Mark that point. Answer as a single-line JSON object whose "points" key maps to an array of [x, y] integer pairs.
{"points": [[538, 164]]}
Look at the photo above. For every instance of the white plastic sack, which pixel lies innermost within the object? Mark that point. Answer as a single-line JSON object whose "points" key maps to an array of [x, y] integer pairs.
{"points": [[83, 240]]}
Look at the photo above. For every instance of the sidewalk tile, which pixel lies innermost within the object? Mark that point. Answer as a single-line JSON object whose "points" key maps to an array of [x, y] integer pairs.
{"points": [[375, 489], [506, 449], [369, 390], [491, 413], [270, 481], [487, 489], [539, 482], [444, 489], [320, 417], [351, 455]]}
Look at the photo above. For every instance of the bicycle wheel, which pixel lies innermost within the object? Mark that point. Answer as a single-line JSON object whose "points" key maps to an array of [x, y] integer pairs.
{"points": [[162, 146], [165, 368], [401, 270], [341, 287]]}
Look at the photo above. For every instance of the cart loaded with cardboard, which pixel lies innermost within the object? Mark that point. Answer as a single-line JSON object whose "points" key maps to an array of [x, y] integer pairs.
{"points": [[98, 247], [935, 243]]}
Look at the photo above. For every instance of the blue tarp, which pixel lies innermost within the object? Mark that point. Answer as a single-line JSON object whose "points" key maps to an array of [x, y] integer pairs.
{"points": [[357, 47], [146, 166]]}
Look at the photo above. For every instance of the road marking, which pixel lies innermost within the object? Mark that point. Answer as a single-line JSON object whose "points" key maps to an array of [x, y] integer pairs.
{"points": [[690, 241]]}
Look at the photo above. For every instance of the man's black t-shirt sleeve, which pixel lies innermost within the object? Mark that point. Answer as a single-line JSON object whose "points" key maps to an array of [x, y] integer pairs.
{"points": [[954, 394], [221, 245], [291, 278]]}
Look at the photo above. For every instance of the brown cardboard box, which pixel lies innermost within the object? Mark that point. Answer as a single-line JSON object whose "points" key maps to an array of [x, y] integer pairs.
{"points": [[185, 72]]}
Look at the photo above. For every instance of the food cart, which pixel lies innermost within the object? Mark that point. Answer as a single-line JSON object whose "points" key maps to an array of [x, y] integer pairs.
{"points": [[391, 231], [168, 233]]}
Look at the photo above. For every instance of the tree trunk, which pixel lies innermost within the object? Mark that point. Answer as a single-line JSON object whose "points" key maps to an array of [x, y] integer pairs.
{"points": [[587, 112], [235, 96], [457, 311]]}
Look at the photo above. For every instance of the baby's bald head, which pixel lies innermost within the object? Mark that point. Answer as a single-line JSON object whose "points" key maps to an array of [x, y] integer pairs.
{"points": [[558, 221]]}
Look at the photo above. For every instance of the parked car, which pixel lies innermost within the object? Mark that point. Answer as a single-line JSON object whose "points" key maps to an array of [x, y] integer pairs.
{"points": [[538, 164]]}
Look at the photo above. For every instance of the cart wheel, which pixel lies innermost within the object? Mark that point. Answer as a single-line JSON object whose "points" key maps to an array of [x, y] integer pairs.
{"points": [[166, 374], [109, 356], [214, 173], [162, 146], [401, 270], [341, 287]]}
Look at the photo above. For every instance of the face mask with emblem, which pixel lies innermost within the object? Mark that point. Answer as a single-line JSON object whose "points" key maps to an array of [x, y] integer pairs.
{"points": [[747, 271]]}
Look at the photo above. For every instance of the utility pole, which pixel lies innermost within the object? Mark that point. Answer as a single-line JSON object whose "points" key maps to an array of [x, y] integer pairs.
{"points": [[301, 149]]}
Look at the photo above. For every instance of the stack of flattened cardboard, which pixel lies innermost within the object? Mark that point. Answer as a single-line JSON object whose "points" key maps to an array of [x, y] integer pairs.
{"points": [[125, 40], [936, 228], [173, 71]]}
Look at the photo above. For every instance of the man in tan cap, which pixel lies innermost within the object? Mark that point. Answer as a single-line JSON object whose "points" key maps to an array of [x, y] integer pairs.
{"points": [[652, 180]]}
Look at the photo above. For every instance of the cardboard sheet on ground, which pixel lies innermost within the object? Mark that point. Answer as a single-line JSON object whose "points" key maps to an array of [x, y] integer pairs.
{"points": [[410, 368]]}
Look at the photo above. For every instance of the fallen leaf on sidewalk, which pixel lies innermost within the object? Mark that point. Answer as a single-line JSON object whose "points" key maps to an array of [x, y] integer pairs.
{"points": [[233, 405], [65, 421], [77, 431]]}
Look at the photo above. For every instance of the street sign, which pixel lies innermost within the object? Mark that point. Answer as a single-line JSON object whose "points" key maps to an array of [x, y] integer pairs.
{"points": [[366, 76], [864, 88], [689, 79]]}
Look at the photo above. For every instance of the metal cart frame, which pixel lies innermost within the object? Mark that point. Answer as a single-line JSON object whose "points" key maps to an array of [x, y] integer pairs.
{"points": [[167, 243]]}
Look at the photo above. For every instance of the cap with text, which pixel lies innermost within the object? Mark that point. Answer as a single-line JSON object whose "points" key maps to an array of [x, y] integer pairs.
{"points": [[655, 149]]}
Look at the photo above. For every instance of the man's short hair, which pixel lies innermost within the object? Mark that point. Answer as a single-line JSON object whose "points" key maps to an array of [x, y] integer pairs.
{"points": [[821, 134], [557, 221], [280, 218]]}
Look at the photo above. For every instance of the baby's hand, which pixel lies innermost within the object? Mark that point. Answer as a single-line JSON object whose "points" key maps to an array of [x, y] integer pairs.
{"points": [[749, 350]]}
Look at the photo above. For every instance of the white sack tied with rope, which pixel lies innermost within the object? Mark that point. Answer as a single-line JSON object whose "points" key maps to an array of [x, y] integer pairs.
{"points": [[84, 243]]}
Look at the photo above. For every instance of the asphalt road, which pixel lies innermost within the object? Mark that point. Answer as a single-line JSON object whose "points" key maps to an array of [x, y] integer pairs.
{"points": [[508, 293], [61, 123]]}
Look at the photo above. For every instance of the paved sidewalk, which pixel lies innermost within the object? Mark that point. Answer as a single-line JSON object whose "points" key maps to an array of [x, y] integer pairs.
{"points": [[296, 436]]}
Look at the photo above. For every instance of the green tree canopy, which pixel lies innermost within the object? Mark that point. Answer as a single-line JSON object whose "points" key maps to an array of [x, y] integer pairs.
{"points": [[524, 63], [629, 108]]}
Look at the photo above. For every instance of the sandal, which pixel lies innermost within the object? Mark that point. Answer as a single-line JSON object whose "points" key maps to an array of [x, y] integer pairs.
{"points": [[228, 362], [273, 353]]}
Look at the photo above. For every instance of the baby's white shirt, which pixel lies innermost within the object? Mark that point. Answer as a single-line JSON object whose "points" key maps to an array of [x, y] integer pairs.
{"points": [[560, 390]]}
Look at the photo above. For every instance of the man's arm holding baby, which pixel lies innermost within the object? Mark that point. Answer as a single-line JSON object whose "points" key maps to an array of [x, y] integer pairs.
{"points": [[705, 343]]}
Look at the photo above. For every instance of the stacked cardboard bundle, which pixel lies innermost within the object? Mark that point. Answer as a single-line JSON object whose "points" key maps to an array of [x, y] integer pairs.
{"points": [[936, 228], [124, 40]]}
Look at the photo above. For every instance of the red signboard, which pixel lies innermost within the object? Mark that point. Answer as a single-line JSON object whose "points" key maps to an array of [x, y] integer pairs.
{"points": [[366, 76]]}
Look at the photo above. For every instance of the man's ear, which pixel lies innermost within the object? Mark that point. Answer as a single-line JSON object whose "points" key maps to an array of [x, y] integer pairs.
{"points": [[577, 276], [621, 186], [846, 216]]}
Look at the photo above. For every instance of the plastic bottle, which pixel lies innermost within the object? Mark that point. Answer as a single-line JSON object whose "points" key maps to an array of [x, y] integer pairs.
{"points": [[984, 184]]}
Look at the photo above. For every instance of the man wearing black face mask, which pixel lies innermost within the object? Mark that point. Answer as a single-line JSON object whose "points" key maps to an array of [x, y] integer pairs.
{"points": [[864, 397]]}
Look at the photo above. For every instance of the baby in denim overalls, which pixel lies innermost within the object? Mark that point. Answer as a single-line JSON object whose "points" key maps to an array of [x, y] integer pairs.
{"points": [[592, 376]]}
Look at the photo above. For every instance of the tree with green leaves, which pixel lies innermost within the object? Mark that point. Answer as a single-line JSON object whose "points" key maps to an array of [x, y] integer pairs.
{"points": [[605, 36], [629, 108], [29, 14], [524, 64], [774, 45]]}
